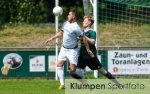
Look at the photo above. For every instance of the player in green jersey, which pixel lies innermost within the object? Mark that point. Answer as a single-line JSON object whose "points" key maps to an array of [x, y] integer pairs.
{"points": [[84, 58]]}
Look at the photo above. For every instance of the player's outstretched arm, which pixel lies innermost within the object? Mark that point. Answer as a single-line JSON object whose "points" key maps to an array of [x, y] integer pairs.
{"points": [[87, 46], [59, 34]]}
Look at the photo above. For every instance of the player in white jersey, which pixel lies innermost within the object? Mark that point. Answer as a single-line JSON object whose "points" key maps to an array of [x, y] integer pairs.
{"points": [[69, 50]]}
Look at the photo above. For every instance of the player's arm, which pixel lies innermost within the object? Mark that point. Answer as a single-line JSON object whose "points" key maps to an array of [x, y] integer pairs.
{"points": [[59, 34], [91, 41], [86, 43], [80, 34], [92, 38]]}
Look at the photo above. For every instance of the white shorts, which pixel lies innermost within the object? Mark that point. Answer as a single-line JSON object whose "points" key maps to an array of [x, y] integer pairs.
{"points": [[68, 54]]}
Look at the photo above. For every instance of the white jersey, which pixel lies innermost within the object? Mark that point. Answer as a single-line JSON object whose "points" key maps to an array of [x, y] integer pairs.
{"points": [[71, 31]]}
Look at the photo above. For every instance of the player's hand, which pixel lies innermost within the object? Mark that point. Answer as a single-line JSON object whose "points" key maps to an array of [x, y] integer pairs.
{"points": [[90, 53], [46, 42], [50, 39]]}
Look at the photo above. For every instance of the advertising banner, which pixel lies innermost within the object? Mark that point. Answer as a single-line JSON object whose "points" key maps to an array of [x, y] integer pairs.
{"points": [[37, 63], [126, 62]]}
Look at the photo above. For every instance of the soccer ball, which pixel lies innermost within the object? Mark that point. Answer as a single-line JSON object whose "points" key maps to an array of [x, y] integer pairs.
{"points": [[57, 11]]}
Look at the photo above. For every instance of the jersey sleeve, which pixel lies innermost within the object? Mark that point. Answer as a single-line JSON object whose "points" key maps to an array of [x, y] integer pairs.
{"points": [[78, 31], [63, 26], [93, 35]]}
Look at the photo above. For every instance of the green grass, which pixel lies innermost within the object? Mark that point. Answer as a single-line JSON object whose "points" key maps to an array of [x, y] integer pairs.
{"points": [[29, 86], [44, 86]]}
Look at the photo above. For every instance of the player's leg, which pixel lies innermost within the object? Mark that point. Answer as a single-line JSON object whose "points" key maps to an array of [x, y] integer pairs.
{"points": [[76, 72], [94, 64], [104, 72], [110, 76], [81, 63], [60, 73], [73, 59], [60, 68]]}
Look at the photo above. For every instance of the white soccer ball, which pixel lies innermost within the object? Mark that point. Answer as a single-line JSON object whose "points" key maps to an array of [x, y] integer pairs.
{"points": [[57, 11]]}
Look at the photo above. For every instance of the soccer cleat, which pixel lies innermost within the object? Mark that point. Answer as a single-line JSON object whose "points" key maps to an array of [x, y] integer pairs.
{"points": [[61, 87]]}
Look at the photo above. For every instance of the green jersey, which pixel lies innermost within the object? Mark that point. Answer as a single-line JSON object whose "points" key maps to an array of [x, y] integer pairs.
{"points": [[83, 52]]}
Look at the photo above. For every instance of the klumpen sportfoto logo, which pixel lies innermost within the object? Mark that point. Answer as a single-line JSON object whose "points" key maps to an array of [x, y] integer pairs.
{"points": [[109, 86], [94, 86]]}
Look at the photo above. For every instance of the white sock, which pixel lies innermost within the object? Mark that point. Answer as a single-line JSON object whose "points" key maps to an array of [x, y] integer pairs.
{"points": [[80, 73], [60, 73]]}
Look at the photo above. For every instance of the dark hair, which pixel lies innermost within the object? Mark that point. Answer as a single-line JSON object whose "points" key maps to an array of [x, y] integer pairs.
{"points": [[74, 12]]}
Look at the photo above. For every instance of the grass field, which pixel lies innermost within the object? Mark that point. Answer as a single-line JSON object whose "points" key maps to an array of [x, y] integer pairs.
{"points": [[29, 86], [108, 34], [44, 86]]}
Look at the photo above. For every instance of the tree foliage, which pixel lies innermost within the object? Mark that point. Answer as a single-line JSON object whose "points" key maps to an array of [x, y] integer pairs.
{"points": [[28, 11], [31, 11]]}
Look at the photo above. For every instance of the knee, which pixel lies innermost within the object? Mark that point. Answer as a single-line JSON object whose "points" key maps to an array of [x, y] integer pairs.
{"points": [[72, 70]]}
